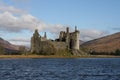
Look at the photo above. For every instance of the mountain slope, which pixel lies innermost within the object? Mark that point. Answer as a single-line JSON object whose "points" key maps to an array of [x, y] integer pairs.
{"points": [[105, 44], [8, 46], [81, 42]]}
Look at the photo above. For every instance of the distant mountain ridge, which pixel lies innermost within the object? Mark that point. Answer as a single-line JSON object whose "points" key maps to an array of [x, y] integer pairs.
{"points": [[8, 46], [105, 44]]}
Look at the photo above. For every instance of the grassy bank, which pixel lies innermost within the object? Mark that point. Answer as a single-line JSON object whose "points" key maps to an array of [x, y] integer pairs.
{"points": [[55, 56]]}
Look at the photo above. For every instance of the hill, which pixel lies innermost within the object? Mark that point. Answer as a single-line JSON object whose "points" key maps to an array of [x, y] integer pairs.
{"points": [[108, 43], [81, 42], [8, 47]]}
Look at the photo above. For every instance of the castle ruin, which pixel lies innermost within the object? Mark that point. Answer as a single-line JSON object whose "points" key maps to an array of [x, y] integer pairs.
{"points": [[71, 39], [66, 41]]}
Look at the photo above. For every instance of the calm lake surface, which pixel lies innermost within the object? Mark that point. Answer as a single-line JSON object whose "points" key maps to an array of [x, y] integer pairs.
{"points": [[60, 69]]}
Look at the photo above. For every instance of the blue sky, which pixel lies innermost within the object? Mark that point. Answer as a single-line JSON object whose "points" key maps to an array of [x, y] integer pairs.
{"points": [[94, 18]]}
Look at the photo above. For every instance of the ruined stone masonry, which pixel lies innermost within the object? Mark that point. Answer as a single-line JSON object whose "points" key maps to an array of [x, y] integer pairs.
{"points": [[66, 41], [71, 39]]}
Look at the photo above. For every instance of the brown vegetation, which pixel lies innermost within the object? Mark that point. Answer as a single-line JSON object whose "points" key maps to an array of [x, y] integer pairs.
{"points": [[57, 56], [105, 44]]}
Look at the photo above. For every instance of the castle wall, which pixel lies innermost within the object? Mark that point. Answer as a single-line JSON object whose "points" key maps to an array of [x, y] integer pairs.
{"points": [[47, 48], [59, 45]]}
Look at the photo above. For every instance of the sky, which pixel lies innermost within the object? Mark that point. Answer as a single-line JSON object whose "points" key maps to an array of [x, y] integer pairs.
{"points": [[93, 18]]}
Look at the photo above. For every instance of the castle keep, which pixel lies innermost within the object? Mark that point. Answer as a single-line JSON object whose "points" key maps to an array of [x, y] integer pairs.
{"points": [[66, 41], [71, 39]]}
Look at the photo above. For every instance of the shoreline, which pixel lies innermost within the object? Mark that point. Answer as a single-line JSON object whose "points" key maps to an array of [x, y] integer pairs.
{"points": [[55, 56]]}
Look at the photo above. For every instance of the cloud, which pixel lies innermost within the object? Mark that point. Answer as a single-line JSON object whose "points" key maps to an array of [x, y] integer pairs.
{"points": [[87, 34], [15, 20], [13, 23], [20, 41], [11, 9], [55, 28]]}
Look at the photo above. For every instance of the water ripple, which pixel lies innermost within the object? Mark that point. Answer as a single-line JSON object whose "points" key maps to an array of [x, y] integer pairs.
{"points": [[60, 69]]}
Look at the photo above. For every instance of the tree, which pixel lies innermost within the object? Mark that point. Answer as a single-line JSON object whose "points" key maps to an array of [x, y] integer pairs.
{"points": [[117, 52], [2, 51], [22, 50]]}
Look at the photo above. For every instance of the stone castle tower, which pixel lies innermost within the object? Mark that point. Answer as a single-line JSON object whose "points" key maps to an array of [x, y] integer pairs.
{"points": [[71, 39], [36, 41]]}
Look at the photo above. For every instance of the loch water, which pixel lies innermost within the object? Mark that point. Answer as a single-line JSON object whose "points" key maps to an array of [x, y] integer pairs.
{"points": [[60, 69]]}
